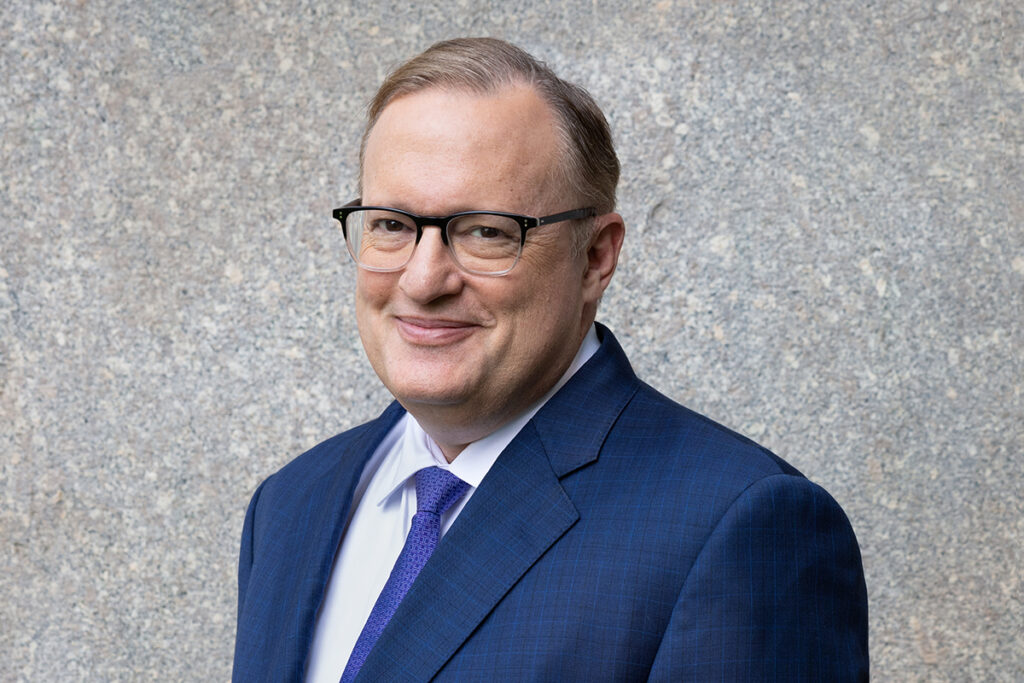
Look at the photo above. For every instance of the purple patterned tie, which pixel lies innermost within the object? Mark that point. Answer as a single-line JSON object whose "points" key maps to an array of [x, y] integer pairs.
{"points": [[436, 491]]}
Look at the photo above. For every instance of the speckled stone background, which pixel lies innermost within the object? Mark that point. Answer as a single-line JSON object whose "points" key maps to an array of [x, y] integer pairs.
{"points": [[826, 251]]}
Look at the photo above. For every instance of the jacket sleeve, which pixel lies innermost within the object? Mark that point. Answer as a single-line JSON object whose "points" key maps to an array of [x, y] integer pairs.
{"points": [[776, 594]]}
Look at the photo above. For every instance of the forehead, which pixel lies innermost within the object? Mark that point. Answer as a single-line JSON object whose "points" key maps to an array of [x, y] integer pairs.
{"points": [[451, 147]]}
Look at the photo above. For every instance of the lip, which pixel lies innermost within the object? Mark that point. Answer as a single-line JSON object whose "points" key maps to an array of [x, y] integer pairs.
{"points": [[433, 331]]}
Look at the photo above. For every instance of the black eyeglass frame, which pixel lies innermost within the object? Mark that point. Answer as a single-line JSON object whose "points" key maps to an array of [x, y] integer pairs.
{"points": [[525, 223]]}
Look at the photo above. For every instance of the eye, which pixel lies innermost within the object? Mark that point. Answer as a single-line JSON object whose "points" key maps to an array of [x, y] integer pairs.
{"points": [[486, 232], [388, 226], [484, 228]]}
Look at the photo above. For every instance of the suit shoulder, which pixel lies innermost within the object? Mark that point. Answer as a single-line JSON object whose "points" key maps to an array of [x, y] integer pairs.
{"points": [[695, 475], [680, 440], [349, 449], [694, 468]]}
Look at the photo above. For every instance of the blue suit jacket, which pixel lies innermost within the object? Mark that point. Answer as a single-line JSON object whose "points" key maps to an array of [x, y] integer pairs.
{"points": [[619, 537]]}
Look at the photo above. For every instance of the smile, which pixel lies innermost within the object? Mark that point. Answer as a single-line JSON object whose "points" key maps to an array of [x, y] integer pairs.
{"points": [[432, 331]]}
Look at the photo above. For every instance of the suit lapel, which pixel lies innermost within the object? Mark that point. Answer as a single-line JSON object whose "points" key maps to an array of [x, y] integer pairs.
{"points": [[329, 504], [518, 512], [318, 526]]}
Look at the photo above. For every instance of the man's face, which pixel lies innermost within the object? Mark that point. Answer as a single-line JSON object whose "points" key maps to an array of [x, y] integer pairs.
{"points": [[464, 353]]}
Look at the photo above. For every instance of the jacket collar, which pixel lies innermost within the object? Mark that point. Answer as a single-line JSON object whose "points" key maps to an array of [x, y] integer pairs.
{"points": [[594, 397]]}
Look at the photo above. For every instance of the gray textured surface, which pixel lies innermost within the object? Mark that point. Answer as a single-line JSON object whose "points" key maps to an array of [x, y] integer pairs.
{"points": [[825, 251]]}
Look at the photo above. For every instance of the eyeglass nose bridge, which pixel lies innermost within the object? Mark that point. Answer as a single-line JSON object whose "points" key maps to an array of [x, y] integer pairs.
{"points": [[439, 222], [423, 222]]}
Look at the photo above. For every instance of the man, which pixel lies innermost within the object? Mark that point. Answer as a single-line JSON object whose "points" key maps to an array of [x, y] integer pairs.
{"points": [[527, 509]]}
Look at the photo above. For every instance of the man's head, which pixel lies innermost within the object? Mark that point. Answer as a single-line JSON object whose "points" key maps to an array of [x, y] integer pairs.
{"points": [[465, 352]]}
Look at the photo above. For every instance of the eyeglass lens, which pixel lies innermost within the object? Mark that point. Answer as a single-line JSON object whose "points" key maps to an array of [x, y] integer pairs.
{"points": [[480, 242]]}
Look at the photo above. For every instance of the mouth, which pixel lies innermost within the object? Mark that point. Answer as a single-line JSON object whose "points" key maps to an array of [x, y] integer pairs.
{"points": [[433, 331]]}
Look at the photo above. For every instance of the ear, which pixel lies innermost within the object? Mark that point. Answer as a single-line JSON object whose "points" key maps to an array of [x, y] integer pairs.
{"points": [[602, 255]]}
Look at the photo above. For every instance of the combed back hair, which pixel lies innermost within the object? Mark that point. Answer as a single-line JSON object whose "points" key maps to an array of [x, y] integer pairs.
{"points": [[486, 65]]}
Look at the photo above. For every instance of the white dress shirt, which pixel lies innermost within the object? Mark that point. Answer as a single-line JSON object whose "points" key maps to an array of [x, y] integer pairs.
{"points": [[381, 515]]}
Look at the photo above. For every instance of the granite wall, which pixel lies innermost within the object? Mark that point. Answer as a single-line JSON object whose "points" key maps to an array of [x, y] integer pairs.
{"points": [[825, 252]]}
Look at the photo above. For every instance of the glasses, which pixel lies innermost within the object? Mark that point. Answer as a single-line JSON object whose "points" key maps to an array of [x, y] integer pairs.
{"points": [[382, 239]]}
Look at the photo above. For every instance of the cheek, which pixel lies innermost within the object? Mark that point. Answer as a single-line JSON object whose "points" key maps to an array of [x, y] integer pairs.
{"points": [[372, 291], [371, 297], [541, 318]]}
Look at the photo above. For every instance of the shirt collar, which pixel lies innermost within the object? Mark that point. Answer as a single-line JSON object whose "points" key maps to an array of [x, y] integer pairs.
{"points": [[413, 452]]}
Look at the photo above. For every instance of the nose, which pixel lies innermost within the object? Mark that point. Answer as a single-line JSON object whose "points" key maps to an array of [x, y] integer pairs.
{"points": [[431, 271]]}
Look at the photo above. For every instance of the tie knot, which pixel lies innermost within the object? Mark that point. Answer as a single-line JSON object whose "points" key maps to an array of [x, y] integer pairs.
{"points": [[437, 490]]}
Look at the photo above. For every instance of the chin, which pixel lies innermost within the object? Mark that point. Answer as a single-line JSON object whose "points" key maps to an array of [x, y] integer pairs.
{"points": [[427, 393]]}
